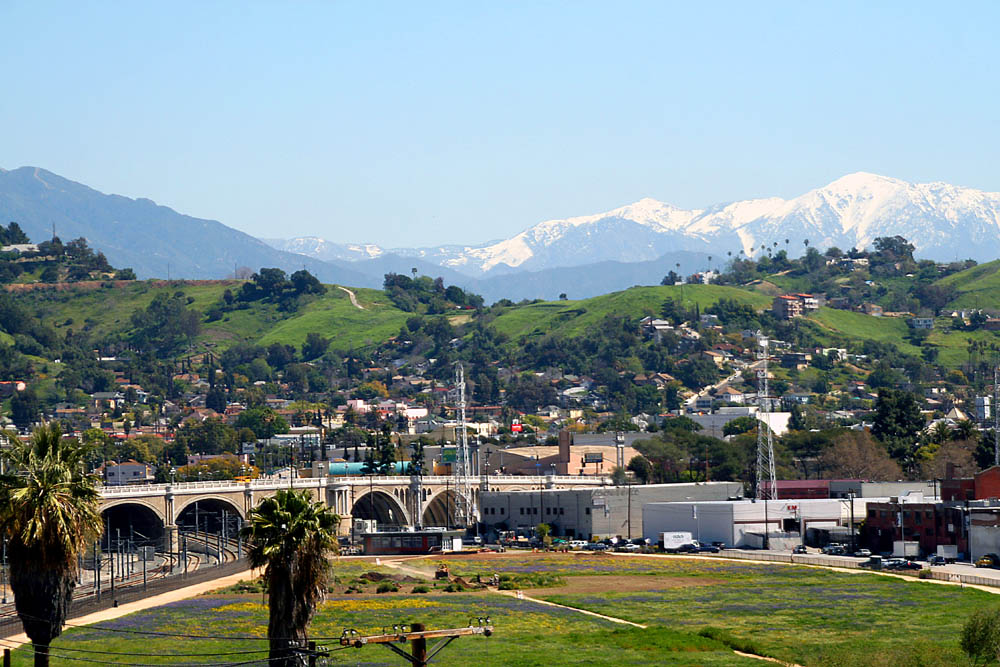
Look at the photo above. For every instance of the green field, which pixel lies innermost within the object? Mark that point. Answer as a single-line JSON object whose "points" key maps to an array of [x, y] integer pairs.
{"points": [[572, 318], [696, 610], [860, 326]]}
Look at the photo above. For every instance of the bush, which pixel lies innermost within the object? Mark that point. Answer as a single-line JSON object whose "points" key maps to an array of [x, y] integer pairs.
{"points": [[387, 587], [981, 636], [454, 588], [925, 574], [725, 637], [420, 589]]}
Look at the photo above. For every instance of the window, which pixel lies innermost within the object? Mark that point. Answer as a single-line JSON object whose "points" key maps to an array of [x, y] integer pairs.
{"points": [[586, 510], [501, 511], [522, 511], [562, 510], [919, 517]]}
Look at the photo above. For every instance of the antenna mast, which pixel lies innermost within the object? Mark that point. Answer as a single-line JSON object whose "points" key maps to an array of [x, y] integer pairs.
{"points": [[766, 476], [464, 507]]}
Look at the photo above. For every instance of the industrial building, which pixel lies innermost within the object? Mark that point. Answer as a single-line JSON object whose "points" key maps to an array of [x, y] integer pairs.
{"points": [[604, 511], [741, 523]]}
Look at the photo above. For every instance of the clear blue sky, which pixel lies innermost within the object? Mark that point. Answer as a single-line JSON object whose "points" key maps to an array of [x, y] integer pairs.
{"points": [[416, 123]]}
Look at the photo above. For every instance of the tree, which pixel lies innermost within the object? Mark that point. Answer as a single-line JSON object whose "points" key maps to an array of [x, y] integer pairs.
{"points": [[292, 538], [618, 476], [641, 468], [262, 421], [49, 513], [315, 346], [897, 416], [959, 454], [855, 455]]}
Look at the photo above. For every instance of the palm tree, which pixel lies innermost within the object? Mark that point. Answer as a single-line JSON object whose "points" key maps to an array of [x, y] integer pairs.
{"points": [[965, 429], [292, 538], [49, 512]]}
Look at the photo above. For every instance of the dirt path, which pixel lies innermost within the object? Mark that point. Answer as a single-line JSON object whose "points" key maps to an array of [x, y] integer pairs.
{"points": [[350, 295], [14, 641]]}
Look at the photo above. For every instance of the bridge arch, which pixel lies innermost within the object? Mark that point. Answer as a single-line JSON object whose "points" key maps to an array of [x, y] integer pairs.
{"points": [[381, 506], [134, 520], [206, 513], [439, 510]]}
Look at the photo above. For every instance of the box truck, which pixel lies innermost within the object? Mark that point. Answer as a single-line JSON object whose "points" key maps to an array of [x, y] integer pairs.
{"points": [[674, 541]]}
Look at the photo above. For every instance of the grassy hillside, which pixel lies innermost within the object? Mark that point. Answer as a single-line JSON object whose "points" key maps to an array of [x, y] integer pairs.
{"points": [[861, 326], [335, 317], [571, 318], [105, 311], [978, 287]]}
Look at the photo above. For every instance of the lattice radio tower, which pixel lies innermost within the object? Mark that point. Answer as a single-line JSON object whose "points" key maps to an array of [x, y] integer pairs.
{"points": [[465, 509], [766, 476]]}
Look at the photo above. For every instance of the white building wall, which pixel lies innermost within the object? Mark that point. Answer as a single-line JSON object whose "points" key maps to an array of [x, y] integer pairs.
{"points": [[729, 522]]}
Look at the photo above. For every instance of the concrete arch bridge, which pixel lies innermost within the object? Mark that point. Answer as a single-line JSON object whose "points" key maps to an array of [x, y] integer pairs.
{"points": [[158, 511]]}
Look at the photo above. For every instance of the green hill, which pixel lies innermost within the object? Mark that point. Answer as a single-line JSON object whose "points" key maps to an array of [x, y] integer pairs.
{"points": [[978, 287], [108, 311], [571, 318]]}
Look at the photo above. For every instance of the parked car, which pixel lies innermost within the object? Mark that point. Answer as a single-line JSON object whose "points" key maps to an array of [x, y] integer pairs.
{"points": [[688, 548], [800, 549], [630, 547], [937, 560], [596, 546], [577, 544], [706, 549], [834, 550], [901, 564], [862, 553], [989, 560]]}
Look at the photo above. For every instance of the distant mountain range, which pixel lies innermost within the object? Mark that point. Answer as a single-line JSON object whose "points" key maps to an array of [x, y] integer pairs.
{"points": [[581, 256], [943, 221]]}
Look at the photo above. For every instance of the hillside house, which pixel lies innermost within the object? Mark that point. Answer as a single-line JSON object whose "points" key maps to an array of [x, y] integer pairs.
{"points": [[926, 323], [872, 309]]}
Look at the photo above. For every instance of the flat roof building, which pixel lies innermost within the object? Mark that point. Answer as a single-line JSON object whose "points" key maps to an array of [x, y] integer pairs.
{"points": [[601, 511]]}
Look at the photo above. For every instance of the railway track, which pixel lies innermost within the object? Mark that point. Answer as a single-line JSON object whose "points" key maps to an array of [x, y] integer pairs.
{"points": [[172, 565]]}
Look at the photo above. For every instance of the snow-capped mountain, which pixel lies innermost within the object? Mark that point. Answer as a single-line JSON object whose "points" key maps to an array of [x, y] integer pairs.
{"points": [[944, 222]]}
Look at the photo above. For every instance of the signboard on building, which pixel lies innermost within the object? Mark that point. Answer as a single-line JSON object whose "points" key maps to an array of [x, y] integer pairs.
{"points": [[516, 427], [595, 457]]}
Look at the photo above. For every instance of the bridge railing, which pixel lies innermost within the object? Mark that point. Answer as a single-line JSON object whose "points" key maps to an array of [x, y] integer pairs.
{"points": [[375, 480]]}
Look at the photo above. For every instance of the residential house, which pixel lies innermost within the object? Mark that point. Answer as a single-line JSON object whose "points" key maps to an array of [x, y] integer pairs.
{"points": [[921, 322], [872, 309]]}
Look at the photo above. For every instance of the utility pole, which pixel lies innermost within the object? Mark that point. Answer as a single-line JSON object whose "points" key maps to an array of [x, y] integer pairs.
{"points": [[418, 635]]}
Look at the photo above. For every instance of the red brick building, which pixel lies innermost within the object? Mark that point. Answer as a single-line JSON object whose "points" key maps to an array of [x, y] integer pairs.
{"points": [[930, 524], [984, 485]]}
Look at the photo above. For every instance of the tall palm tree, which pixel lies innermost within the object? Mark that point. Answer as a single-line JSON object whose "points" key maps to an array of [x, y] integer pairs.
{"points": [[292, 538], [49, 512]]}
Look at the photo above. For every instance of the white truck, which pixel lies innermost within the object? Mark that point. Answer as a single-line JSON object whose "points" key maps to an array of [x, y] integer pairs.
{"points": [[674, 541]]}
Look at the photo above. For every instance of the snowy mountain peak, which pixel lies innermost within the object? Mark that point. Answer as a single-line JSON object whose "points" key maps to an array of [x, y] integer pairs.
{"points": [[943, 221]]}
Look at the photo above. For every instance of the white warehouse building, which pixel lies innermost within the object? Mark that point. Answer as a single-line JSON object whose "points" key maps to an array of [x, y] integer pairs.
{"points": [[734, 523]]}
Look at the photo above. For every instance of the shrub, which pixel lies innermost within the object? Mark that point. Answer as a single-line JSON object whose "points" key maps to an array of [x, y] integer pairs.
{"points": [[454, 588], [387, 587], [724, 636], [925, 574], [420, 589], [981, 636]]}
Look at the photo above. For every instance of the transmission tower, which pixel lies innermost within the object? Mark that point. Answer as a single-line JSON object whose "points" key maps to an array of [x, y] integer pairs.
{"points": [[766, 476], [465, 509], [996, 417]]}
